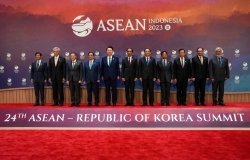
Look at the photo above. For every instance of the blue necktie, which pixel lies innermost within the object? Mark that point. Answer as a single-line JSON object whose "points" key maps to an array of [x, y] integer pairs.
{"points": [[220, 62]]}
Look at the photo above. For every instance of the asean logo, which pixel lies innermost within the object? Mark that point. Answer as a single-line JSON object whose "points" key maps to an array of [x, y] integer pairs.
{"points": [[82, 26]]}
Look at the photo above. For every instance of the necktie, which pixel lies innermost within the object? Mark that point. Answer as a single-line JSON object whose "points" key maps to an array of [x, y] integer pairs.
{"points": [[182, 62], [201, 59], [37, 64], [219, 59], [90, 64], [73, 64], [129, 59], [56, 59], [147, 60], [165, 62], [109, 61]]}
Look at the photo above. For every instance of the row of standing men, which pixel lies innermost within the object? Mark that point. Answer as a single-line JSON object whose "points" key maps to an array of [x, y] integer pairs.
{"points": [[147, 70]]}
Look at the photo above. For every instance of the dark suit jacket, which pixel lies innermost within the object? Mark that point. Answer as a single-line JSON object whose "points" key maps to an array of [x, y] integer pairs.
{"points": [[216, 71], [200, 71], [93, 74], [165, 74], [129, 70], [147, 70], [57, 73], [182, 73], [75, 74], [40, 74], [112, 71]]}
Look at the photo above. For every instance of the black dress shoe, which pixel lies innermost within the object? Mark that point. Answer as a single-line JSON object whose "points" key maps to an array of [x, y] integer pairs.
{"points": [[127, 104], [55, 104], [221, 104], [144, 104], [36, 104], [42, 104], [184, 104], [167, 104], [197, 104], [77, 105], [214, 104], [96, 104], [114, 104], [162, 104], [151, 104], [89, 104], [61, 104], [107, 104], [72, 105], [203, 104]]}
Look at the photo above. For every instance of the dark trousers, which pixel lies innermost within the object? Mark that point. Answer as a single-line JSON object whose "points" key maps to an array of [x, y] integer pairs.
{"points": [[74, 92], [111, 84], [58, 96], [148, 86], [218, 86], [165, 92], [181, 91], [39, 91], [93, 87], [199, 90], [129, 91]]}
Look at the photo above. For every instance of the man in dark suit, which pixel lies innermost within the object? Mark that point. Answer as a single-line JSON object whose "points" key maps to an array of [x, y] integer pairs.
{"points": [[182, 74], [74, 78], [129, 76], [92, 73], [164, 76], [147, 74], [38, 77], [110, 72], [218, 72], [57, 76], [200, 75]]}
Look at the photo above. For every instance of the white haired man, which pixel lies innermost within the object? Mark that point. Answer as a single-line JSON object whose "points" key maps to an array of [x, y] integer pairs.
{"points": [[57, 75], [218, 72]]}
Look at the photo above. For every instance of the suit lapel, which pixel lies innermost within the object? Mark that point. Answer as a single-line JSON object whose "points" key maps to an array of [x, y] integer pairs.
{"points": [[53, 61], [179, 61]]}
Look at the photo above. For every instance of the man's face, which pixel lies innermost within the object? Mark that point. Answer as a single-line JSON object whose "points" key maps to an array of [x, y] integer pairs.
{"points": [[200, 52], [73, 57], [181, 53], [38, 57], [56, 53], [147, 53], [129, 52], [109, 51], [218, 52], [91, 56], [164, 55]]}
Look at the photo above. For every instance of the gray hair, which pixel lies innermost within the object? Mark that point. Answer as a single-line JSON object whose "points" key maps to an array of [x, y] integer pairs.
{"points": [[219, 49], [56, 49]]}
